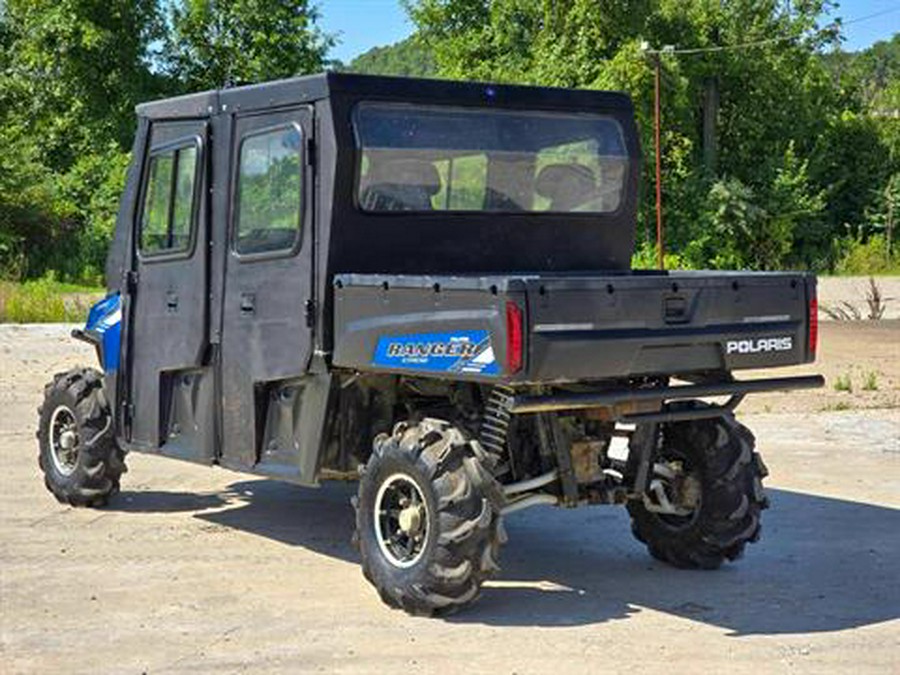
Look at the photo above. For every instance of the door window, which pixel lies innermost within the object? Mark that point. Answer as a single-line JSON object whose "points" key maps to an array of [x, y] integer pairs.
{"points": [[270, 195], [168, 210], [183, 197]]}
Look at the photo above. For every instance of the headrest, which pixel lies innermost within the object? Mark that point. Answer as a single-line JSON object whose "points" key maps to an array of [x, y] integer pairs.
{"points": [[407, 172], [565, 182]]}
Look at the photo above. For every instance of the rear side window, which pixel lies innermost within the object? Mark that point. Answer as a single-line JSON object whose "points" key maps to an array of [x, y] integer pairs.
{"points": [[269, 191], [168, 210]]}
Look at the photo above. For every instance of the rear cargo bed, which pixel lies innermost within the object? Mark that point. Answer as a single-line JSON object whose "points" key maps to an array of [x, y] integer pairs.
{"points": [[576, 327]]}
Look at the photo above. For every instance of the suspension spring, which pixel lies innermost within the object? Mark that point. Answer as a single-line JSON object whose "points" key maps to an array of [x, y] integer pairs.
{"points": [[495, 423]]}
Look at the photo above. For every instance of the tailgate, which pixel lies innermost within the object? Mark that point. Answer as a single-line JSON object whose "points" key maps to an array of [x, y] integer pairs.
{"points": [[681, 322]]}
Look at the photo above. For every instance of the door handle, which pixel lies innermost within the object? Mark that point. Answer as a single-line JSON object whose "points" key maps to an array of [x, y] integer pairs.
{"points": [[172, 301], [248, 303]]}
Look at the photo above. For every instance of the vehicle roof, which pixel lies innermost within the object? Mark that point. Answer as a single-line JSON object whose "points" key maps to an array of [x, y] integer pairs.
{"points": [[311, 88]]}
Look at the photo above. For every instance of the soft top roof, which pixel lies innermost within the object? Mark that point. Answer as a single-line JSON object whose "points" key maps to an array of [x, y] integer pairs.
{"points": [[311, 88]]}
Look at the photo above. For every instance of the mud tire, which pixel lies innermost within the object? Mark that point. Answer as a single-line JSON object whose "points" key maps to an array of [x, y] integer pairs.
{"points": [[720, 451], [464, 530], [94, 476]]}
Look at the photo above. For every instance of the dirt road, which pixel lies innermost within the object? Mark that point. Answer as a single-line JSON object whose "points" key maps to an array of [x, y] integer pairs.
{"points": [[194, 570]]}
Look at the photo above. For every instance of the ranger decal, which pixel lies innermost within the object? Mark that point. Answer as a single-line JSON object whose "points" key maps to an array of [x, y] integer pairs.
{"points": [[467, 351]]}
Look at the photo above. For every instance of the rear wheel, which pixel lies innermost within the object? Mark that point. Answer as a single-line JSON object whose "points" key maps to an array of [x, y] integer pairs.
{"points": [[78, 454], [427, 518], [709, 481]]}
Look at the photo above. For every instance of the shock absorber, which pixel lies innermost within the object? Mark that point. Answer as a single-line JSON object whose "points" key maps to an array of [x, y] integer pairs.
{"points": [[495, 423]]}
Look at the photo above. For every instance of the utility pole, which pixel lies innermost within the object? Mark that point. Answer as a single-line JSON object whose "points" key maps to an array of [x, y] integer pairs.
{"points": [[889, 195], [657, 76], [660, 261], [710, 114]]}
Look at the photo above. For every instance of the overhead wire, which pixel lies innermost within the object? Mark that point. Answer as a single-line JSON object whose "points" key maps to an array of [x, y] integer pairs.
{"points": [[758, 43]]}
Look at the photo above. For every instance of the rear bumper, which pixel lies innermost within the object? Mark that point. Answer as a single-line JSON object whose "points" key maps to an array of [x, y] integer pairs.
{"points": [[624, 399]]}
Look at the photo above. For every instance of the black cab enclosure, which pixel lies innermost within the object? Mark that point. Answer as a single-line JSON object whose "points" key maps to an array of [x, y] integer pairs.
{"points": [[270, 234]]}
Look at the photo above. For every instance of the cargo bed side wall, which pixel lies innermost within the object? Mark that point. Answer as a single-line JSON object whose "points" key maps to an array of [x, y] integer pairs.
{"points": [[423, 326]]}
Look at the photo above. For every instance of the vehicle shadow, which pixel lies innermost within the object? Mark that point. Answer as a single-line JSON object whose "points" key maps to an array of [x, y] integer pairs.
{"points": [[156, 501], [822, 565], [320, 519]]}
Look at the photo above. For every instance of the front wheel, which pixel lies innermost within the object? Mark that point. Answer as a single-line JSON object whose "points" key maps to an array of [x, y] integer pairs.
{"points": [[427, 518], [710, 480], [77, 451]]}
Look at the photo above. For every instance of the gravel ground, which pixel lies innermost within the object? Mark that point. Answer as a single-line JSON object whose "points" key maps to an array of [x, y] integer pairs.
{"points": [[833, 291], [196, 570]]}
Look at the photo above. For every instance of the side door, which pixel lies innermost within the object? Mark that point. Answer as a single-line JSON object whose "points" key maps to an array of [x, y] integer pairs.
{"points": [[266, 329], [167, 332]]}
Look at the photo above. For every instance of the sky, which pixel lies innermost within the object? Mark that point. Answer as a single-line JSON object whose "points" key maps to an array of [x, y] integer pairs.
{"points": [[363, 24]]}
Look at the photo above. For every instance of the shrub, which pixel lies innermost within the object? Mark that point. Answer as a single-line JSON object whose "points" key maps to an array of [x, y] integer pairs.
{"points": [[867, 257], [645, 258], [45, 301]]}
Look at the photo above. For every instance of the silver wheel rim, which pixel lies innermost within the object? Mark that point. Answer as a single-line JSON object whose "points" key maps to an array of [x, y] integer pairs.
{"points": [[401, 520], [64, 441], [687, 488]]}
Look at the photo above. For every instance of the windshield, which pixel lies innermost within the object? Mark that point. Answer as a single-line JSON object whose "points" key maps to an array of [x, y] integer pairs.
{"points": [[416, 158]]}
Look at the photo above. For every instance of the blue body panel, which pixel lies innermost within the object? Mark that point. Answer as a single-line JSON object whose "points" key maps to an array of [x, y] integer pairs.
{"points": [[105, 322], [464, 351]]}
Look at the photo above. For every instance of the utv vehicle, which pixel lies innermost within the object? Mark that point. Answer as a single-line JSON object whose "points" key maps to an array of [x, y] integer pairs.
{"points": [[424, 286]]}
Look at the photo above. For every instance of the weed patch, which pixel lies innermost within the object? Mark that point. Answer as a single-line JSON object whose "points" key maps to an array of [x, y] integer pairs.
{"points": [[870, 381], [843, 383], [45, 301]]}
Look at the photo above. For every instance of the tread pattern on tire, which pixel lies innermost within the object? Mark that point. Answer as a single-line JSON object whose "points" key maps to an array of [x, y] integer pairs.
{"points": [[100, 465], [464, 550], [733, 499]]}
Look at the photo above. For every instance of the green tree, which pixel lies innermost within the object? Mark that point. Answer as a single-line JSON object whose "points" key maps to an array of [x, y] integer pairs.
{"points": [[737, 236], [771, 93], [75, 69], [850, 162], [71, 72], [407, 58], [214, 43], [884, 215], [760, 228], [864, 75]]}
